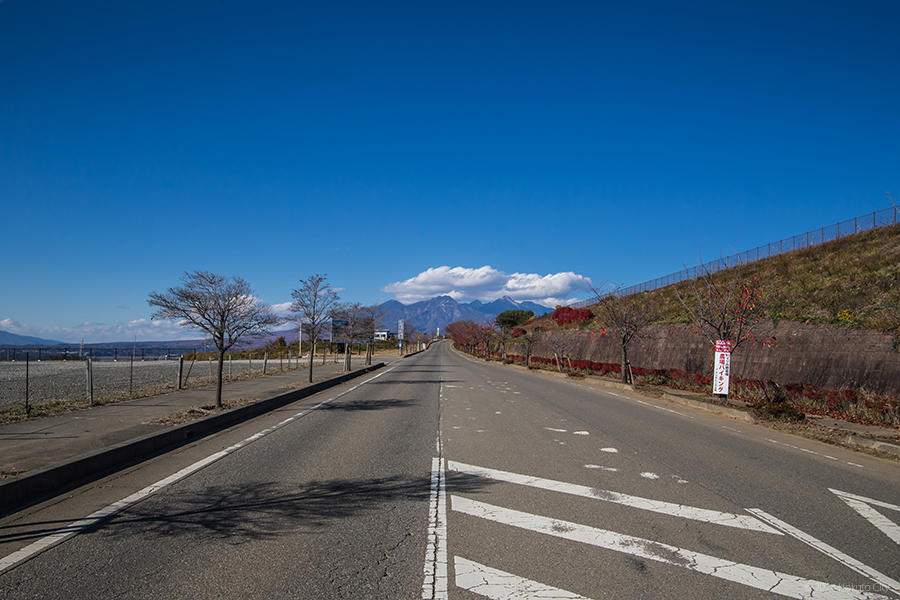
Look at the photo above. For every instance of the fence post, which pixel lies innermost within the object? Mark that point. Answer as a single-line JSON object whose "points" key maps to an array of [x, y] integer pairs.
{"points": [[27, 390], [265, 360], [131, 375], [90, 379], [230, 364], [180, 370]]}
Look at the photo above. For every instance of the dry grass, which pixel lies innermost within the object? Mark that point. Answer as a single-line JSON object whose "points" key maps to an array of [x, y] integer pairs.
{"points": [[853, 281], [198, 412]]}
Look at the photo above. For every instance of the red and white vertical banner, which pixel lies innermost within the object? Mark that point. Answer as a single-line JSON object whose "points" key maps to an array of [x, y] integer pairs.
{"points": [[722, 367]]}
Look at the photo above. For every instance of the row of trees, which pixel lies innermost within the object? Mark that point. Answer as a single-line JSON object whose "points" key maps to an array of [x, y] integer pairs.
{"points": [[227, 310], [720, 308]]}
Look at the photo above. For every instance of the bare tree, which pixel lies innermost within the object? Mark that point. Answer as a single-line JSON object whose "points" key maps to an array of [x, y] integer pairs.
{"points": [[410, 334], [313, 303], [223, 307], [506, 322], [371, 316], [562, 345], [627, 316], [725, 306], [354, 316], [527, 338]]}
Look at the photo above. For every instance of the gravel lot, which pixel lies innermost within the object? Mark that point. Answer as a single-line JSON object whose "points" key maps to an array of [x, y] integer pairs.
{"points": [[65, 380]]}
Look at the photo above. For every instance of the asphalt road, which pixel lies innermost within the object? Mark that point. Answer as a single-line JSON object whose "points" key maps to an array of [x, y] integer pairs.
{"points": [[443, 477]]}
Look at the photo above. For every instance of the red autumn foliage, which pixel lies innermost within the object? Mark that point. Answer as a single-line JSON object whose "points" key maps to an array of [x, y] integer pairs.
{"points": [[564, 315]]}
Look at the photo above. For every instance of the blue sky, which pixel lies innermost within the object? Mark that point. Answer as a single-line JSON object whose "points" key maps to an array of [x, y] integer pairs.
{"points": [[378, 143]]}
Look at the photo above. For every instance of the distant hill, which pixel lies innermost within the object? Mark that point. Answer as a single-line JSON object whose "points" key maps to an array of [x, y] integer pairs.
{"points": [[12, 339]]}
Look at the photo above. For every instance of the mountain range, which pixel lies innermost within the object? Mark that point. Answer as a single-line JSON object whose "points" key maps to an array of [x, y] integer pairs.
{"points": [[13, 339], [426, 315]]}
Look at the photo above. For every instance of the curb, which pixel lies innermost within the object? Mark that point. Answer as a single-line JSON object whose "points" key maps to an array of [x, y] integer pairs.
{"points": [[865, 442], [734, 413], [30, 488]]}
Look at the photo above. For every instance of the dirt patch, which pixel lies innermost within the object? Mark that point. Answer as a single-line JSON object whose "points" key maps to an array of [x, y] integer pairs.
{"points": [[9, 472], [197, 412]]}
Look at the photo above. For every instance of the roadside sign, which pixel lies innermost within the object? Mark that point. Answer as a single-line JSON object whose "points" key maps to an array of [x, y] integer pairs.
{"points": [[401, 329], [722, 367]]}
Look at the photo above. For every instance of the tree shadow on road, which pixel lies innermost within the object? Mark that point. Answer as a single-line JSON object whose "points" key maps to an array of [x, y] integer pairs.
{"points": [[369, 405], [260, 510]]}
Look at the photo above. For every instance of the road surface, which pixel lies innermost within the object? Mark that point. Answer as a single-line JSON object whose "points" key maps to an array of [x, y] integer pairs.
{"points": [[444, 477]]}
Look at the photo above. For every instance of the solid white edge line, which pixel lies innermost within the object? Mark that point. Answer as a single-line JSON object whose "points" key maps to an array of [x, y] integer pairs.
{"points": [[75, 527], [658, 506], [435, 583], [755, 577], [808, 451], [830, 551], [500, 585]]}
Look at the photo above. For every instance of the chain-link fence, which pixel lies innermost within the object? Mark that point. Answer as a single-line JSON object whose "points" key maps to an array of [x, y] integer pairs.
{"points": [[881, 218], [29, 381]]}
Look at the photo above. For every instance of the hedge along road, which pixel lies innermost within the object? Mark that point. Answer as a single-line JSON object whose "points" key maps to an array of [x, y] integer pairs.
{"points": [[539, 488], [66, 380]]}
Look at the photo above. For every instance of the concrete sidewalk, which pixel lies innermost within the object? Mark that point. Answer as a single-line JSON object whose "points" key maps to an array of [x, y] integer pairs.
{"points": [[31, 445]]}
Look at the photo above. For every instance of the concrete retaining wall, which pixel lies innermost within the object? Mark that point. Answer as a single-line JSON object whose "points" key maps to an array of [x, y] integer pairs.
{"points": [[824, 355]]}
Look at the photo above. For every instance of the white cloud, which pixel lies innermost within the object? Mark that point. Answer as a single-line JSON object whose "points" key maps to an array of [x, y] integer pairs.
{"points": [[486, 283], [282, 309]]}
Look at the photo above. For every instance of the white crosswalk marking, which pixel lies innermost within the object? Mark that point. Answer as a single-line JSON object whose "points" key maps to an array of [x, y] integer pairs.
{"points": [[755, 577], [864, 506], [657, 506], [500, 585]]}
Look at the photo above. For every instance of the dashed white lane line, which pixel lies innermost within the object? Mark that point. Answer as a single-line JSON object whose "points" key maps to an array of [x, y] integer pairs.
{"points": [[581, 433], [801, 449], [674, 412], [649, 475], [830, 551], [556, 430], [755, 577], [92, 519], [863, 506], [609, 450], [658, 506], [729, 428], [602, 468], [500, 585]]}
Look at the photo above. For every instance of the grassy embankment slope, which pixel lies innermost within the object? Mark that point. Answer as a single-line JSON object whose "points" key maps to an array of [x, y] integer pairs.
{"points": [[853, 282]]}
